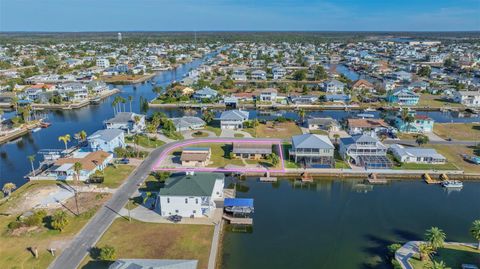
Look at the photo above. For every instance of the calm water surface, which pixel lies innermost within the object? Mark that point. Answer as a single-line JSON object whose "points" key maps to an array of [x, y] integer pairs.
{"points": [[338, 224]]}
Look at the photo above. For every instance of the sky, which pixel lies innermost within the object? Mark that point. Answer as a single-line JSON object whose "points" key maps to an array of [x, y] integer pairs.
{"points": [[239, 15]]}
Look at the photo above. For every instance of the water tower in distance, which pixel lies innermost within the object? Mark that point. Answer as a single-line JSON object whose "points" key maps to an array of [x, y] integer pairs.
{"points": [[119, 37]]}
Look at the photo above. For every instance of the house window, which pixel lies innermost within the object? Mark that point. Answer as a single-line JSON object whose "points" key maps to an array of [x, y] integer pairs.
{"points": [[176, 211], [194, 211], [186, 200], [168, 200], [196, 201]]}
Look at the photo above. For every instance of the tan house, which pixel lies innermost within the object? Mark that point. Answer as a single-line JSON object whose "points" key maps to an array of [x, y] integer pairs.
{"points": [[251, 151], [362, 84], [195, 157]]}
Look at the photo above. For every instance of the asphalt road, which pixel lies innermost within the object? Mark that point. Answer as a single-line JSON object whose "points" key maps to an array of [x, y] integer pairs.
{"points": [[73, 255]]}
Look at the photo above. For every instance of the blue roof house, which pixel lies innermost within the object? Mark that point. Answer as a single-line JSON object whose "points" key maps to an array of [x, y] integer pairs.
{"points": [[106, 140], [403, 96]]}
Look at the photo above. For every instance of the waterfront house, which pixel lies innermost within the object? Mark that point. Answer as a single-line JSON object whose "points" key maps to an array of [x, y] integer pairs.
{"points": [[259, 75], [416, 155], [324, 124], [233, 119], [129, 122], [195, 157], [205, 93], [97, 87], [403, 96], [420, 124], [303, 99], [106, 140], [187, 123], [230, 101], [73, 91], [365, 151], [369, 126], [338, 98], [312, 150], [363, 85], [191, 194], [153, 264], [418, 86], [63, 168], [333, 86], [254, 151], [268, 95], [467, 98]]}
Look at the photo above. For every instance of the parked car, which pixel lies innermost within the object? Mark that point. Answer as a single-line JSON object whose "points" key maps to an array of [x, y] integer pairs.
{"points": [[123, 161]]}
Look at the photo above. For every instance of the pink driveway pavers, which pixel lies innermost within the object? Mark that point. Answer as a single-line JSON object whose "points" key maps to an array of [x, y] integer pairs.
{"points": [[168, 150]]}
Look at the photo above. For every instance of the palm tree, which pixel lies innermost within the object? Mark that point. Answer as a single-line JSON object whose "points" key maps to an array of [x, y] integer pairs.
{"points": [[77, 167], [435, 237], [255, 124], [301, 113], [425, 250], [8, 188], [475, 231], [130, 100], [114, 105], [437, 265], [65, 139], [207, 116], [336, 137], [407, 118], [14, 103], [136, 139], [31, 158]]}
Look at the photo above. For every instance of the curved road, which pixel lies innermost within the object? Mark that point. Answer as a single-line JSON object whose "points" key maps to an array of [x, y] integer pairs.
{"points": [[73, 255]]}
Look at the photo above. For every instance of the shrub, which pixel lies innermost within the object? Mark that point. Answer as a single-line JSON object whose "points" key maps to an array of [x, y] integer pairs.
{"points": [[36, 219], [393, 248], [14, 225], [59, 220], [107, 253]]}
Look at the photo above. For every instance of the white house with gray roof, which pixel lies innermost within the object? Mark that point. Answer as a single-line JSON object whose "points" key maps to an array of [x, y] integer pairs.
{"points": [[416, 155], [106, 140], [191, 194], [365, 151], [153, 264], [233, 119], [188, 123], [312, 150], [467, 98], [126, 121]]}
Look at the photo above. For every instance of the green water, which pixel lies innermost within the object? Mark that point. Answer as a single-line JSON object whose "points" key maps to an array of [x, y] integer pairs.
{"points": [[339, 224]]}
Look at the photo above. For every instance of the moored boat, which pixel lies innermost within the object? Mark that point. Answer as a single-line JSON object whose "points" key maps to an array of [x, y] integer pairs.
{"points": [[452, 184]]}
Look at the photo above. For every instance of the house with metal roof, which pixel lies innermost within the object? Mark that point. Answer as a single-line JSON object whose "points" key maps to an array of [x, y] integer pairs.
{"points": [[333, 86], [419, 124], [195, 157], [205, 93], [416, 155], [364, 150], [188, 123], [192, 194], [403, 96], [153, 264], [324, 124], [312, 150], [253, 151], [106, 140], [233, 119], [126, 121]]}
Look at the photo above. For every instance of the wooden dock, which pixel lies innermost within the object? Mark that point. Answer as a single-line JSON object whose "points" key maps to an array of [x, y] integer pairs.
{"points": [[238, 221], [429, 180]]}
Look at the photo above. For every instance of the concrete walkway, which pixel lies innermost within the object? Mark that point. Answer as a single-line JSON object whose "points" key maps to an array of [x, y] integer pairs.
{"points": [[406, 252], [433, 137]]}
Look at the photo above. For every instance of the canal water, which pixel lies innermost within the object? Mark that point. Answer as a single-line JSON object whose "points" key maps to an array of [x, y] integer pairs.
{"points": [[13, 156], [343, 224]]}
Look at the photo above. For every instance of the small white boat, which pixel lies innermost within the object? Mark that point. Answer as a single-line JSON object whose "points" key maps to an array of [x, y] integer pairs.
{"points": [[369, 109], [452, 184], [36, 129]]}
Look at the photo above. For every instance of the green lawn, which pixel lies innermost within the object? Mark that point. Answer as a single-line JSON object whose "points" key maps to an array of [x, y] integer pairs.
{"points": [[275, 130], [436, 101], [453, 256], [319, 132], [339, 162], [422, 166], [214, 129], [115, 175], [453, 153], [155, 241], [238, 135], [145, 141], [458, 131], [288, 163]]}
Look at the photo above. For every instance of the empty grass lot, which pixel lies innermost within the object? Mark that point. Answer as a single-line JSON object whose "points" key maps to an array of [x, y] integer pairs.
{"points": [[155, 241], [146, 142], [115, 175], [453, 153], [458, 131], [275, 130]]}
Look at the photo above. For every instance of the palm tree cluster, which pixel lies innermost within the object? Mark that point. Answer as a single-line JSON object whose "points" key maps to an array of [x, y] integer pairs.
{"points": [[119, 102]]}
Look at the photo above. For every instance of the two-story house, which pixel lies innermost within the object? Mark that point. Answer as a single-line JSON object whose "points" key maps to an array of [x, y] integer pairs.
{"points": [[129, 122], [233, 119], [106, 140], [403, 96], [365, 151], [191, 194], [312, 150]]}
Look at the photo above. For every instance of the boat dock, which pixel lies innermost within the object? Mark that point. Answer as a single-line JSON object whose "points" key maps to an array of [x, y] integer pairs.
{"points": [[268, 178], [238, 221]]}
